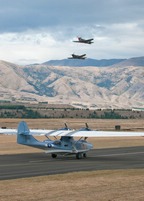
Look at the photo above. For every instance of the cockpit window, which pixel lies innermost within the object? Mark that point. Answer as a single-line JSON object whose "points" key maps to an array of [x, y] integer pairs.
{"points": [[66, 138]]}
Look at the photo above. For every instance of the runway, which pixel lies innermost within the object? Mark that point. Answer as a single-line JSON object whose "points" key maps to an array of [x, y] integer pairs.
{"points": [[38, 164]]}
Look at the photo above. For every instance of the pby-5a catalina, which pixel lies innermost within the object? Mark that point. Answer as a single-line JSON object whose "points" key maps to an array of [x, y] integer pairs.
{"points": [[81, 40], [74, 56], [65, 144]]}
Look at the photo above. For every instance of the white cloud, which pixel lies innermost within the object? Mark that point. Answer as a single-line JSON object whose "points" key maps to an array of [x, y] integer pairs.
{"points": [[27, 47], [118, 40]]}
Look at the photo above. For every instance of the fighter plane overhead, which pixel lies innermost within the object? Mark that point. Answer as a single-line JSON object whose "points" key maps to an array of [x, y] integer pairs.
{"points": [[74, 56], [65, 144], [87, 41]]}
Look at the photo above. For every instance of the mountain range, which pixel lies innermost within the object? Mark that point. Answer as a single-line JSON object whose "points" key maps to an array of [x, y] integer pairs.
{"points": [[136, 61], [82, 63], [114, 83]]}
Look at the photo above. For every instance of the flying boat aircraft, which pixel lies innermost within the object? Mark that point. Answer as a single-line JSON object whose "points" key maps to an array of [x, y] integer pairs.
{"points": [[86, 41], [74, 56], [64, 144]]}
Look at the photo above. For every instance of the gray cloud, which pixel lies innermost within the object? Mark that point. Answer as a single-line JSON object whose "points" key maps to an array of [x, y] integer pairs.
{"points": [[20, 15], [49, 26]]}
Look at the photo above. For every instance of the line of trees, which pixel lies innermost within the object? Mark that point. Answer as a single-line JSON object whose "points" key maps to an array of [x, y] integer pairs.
{"points": [[20, 111]]}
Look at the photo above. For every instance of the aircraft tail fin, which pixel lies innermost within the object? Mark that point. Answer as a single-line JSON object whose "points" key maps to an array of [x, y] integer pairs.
{"points": [[23, 134], [23, 128]]}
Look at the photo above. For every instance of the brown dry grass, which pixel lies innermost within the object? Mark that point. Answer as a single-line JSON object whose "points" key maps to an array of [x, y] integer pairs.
{"points": [[115, 185], [101, 124]]}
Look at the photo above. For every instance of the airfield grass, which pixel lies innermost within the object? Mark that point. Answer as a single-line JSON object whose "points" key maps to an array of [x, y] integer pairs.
{"points": [[116, 185], [100, 124], [107, 185]]}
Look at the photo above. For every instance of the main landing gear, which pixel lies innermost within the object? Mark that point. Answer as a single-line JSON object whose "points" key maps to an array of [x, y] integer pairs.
{"points": [[54, 155], [81, 155], [78, 155]]}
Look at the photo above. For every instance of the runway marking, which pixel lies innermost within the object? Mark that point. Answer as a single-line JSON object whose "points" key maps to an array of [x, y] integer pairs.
{"points": [[36, 161], [16, 164]]}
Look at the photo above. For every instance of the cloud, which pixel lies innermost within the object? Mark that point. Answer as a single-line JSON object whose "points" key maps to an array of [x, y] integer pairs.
{"points": [[34, 14], [39, 30]]}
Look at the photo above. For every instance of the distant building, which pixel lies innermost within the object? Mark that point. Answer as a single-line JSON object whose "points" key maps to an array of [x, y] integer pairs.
{"points": [[137, 109], [41, 103]]}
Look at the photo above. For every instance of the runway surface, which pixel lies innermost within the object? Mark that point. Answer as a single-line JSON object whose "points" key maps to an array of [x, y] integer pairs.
{"points": [[38, 164]]}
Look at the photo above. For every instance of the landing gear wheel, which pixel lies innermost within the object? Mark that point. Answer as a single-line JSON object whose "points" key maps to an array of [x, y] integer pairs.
{"points": [[53, 155], [79, 156], [84, 155]]}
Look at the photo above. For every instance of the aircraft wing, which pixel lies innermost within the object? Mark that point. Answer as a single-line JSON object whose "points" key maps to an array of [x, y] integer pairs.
{"points": [[36, 132], [74, 133], [96, 134], [89, 40], [8, 131]]}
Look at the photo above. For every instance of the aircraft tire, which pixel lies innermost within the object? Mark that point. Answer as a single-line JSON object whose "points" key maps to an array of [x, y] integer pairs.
{"points": [[53, 155], [79, 156], [84, 155]]}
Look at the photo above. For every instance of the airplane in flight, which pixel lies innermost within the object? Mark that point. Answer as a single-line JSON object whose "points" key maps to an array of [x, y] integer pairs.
{"points": [[64, 144], [74, 56], [87, 41]]}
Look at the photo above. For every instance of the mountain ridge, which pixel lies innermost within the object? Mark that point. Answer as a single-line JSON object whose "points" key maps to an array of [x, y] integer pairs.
{"points": [[135, 61], [109, 87], [82, 63]]}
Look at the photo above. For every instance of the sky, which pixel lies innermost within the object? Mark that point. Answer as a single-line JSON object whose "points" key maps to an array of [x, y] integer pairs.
{"points": [[36, 31]]}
